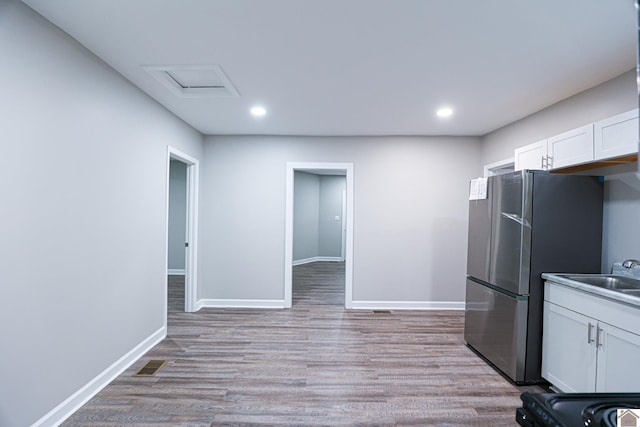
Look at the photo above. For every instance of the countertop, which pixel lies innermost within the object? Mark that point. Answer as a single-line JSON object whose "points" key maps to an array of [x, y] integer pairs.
{"points": [[557, 278]]}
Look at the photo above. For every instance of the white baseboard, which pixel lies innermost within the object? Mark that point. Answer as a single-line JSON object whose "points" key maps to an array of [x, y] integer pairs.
{"points": [[176, 272], [358, 305], [317, 259], [408, 305], [70, 405], [239, 303]]}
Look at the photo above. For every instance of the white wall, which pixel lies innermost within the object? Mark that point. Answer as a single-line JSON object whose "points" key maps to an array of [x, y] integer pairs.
{"points": [[306, 208], [621, 238], [177, 214], [410, 214], [83, 173]]}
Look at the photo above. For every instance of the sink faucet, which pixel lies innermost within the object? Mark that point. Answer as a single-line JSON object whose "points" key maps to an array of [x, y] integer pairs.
{"points": [[630, 263]]}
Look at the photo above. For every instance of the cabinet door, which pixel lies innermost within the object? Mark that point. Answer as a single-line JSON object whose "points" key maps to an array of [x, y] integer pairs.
{"points": [[618, 357], [568, 349], [616, 136], [571, 148], [532, 156]]}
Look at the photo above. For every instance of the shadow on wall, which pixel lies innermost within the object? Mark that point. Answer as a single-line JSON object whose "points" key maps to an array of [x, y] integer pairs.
{"points": [[621, 234]]}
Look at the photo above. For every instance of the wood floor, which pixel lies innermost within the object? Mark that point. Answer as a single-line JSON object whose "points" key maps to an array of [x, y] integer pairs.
{"points": [[314, 364]]}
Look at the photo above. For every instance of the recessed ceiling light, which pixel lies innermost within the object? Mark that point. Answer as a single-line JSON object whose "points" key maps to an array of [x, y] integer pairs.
{"points": [[258, 111], [444, 112]]}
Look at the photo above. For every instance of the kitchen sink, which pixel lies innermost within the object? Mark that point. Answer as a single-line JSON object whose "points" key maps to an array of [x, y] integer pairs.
{"points": [[616, 283]]}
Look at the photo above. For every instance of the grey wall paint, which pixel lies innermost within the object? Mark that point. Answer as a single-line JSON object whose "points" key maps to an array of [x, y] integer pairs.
{"points": [[410, 213], [317, 199], [84, 218], [330, 230], [177, 214], [622, 195], [306, 208], [621, 234]]}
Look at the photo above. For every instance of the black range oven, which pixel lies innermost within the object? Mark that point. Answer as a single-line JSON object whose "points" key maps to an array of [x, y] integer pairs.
{"points": [[578, 409]]}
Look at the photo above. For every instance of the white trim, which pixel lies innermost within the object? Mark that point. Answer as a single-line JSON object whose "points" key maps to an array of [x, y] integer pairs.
{"points": [[71, 404], [191, 252], [176, 272], [347, 168], [343, 227], [239, 303], [408, 305], [317, 259], [488, 168]]}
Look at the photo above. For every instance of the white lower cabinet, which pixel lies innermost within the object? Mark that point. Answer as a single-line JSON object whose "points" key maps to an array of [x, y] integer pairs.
{"points": [[618, 357], [568, 359], [583, 354]]}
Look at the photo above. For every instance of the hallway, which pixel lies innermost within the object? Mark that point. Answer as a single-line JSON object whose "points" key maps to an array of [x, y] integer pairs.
{"points": [[314, 364]]}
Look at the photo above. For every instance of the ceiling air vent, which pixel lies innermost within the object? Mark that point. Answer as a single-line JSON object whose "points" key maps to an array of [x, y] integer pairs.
{"points": [[194, 81]]}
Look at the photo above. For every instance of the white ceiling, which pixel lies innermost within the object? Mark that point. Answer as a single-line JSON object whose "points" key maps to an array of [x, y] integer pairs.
{"points": [[361, 67]]}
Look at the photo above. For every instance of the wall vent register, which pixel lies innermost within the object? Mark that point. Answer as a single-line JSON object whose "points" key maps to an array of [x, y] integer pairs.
{"points": [[150, 368]]}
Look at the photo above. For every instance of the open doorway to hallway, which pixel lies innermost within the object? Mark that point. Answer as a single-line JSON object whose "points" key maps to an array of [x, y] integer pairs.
{"points": [[177, 234], [318, 236], [318, 283], [182, 230], [319, 228]]}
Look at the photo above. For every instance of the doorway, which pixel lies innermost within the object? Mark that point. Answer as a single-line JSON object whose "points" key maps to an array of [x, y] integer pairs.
{"points": [[343, 169], [499, 168], [182, 226]]}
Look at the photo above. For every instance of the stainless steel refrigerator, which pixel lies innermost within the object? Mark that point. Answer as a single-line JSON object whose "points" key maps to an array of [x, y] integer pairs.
{"points": [[530, 222]]}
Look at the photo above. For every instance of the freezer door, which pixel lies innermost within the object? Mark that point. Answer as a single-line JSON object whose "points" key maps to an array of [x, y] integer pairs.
{"points": [[496, 327], [511, 232], [478, 247]]}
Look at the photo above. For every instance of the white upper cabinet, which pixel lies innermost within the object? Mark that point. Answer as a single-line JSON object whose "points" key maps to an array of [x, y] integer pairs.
{"points": [[616, 136], [571, 148], [588, 146], [532, 156]]}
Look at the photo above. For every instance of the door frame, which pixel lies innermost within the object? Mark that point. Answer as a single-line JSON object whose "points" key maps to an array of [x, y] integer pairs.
{"points": [[312, 167], [492, 168], [191, 252]]}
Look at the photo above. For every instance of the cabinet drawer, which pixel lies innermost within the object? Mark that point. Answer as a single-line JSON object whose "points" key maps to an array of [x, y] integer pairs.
{"points": [[614, 313]]}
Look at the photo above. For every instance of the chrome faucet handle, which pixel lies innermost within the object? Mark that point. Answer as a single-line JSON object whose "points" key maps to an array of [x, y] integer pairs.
{"points": [[630, 263]]}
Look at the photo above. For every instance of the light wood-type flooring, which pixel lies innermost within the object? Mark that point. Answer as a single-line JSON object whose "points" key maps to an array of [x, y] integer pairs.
{"points": [[313, 364]]}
